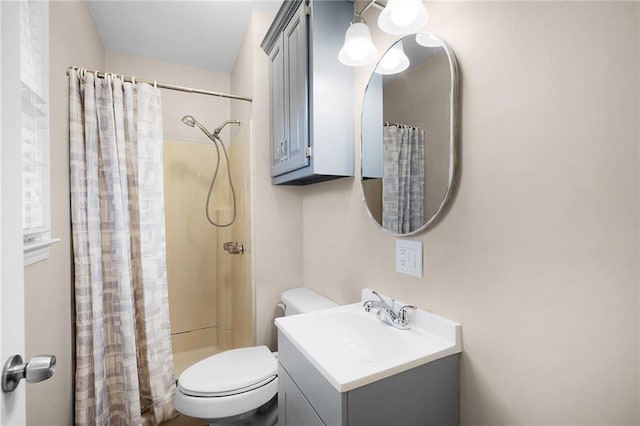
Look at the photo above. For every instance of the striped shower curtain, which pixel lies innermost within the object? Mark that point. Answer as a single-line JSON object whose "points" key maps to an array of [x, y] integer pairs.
{"points": [[403, 179], [124, 362]]}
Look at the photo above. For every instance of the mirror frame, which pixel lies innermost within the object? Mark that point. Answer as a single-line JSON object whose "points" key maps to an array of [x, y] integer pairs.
{"points": [[454, 142]]}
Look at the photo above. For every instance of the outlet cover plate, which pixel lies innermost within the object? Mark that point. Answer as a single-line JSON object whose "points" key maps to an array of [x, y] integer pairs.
{"points": [[409, 257]]}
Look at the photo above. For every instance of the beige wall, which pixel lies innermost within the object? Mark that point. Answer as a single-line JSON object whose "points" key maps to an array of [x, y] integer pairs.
{"points": [[276, 241], [538, 257], [74, 40], [208, 110]]}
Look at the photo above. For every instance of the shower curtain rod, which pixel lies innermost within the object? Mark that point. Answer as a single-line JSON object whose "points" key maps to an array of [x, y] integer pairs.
{"points": [[154, 83], [404, 126]]}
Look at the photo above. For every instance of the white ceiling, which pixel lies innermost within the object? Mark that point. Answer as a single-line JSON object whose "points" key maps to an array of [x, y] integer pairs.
{"points": [[200, 34]]}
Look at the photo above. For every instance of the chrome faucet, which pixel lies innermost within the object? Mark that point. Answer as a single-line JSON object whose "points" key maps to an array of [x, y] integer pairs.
{"points": [[387, 313]]}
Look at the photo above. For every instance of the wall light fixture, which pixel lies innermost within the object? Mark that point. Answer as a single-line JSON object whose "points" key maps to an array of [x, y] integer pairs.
{"points": [[398, 17], [358, 48], [428, 40], [393, 61], [402, 17]]}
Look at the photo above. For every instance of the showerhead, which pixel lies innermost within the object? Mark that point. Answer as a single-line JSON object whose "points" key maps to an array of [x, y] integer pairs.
{"points": [[189, 120], [192, 122]]}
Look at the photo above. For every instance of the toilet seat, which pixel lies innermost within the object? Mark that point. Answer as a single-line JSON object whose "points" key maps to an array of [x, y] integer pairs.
{"points": [[228, 384], [229, 373]]}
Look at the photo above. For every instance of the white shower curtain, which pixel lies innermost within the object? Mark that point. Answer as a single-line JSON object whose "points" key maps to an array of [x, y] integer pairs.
{"points": [[403, 179], [124, 362]]}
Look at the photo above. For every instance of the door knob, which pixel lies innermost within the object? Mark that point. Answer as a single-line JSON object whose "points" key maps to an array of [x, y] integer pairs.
{"points": [[38, 368]]}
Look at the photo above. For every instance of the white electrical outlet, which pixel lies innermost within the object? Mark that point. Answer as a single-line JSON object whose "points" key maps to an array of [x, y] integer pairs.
{"points": [[409, 257]]}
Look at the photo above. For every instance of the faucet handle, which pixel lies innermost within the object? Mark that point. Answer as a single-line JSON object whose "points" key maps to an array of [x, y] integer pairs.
{"points": [[403, 313], [389, 303], [377, 295]]}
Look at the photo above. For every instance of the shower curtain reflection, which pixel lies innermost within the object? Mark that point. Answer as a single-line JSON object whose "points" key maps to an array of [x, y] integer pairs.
{"points": [[403, 179]]}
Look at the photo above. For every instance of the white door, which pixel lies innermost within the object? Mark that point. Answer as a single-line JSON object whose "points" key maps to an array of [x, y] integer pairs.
{"points": [[12, 405]]}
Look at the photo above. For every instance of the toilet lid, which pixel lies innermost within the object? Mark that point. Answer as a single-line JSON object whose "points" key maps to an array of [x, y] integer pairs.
{"points": [[229, 372]]}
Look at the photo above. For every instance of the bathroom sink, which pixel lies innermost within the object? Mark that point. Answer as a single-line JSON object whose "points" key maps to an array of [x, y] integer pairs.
{"points": [[359, 339], [352, 348]]}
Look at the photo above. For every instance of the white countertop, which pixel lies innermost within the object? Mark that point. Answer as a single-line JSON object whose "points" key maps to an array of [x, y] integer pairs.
{"points": [[352, 348]]}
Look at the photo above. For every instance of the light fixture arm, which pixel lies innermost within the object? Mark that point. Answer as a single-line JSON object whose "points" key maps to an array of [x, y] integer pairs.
{"points": [[357, 16]]}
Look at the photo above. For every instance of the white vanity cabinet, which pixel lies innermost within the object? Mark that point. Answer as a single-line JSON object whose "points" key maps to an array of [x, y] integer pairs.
{"points": [[428, 394], [311, 93]]}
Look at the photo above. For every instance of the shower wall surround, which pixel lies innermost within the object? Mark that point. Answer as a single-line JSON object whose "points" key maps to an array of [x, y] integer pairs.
{"points": [[240, 267], [198, 277]]}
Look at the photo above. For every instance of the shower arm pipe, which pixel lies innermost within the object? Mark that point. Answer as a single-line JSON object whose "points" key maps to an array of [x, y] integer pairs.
{"points": [[154, 83]]}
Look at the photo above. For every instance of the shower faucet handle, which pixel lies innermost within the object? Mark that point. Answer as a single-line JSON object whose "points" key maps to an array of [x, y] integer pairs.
{"points": [[233, 247]]}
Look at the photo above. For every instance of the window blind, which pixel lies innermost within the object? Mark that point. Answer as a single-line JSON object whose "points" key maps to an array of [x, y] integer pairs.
{"points": [[35, 118], [34, 123]]}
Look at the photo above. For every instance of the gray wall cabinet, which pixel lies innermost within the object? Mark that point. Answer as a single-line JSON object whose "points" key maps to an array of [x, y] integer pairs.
{"points": [[424, 395], [311, 93]]}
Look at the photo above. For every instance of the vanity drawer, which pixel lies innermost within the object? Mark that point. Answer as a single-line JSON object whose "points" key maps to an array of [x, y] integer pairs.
{"points": [[329, 404], [293, 407]]}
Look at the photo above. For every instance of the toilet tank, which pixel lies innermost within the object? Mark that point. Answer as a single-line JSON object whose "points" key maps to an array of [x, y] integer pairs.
{"points": [[302, 299]]}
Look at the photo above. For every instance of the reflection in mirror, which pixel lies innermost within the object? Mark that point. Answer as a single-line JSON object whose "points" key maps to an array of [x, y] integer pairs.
{"points": [[409, 158]]}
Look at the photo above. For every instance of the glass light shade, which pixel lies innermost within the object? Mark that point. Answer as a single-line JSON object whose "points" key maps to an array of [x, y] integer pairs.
{"points": [[394, 61], [402, 17], [358, 48], [428, 40]]}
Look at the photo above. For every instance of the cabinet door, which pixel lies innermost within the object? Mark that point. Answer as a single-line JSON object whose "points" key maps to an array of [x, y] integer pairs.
{"points": [[296, 47], [297, 410], [276, 92]]}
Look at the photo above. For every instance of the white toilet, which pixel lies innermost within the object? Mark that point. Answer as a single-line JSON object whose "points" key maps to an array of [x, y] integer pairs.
{"points": [[240, 386]]}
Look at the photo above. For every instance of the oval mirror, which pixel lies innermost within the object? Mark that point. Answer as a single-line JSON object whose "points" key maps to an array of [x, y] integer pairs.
{"points": [[409, 135]]}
